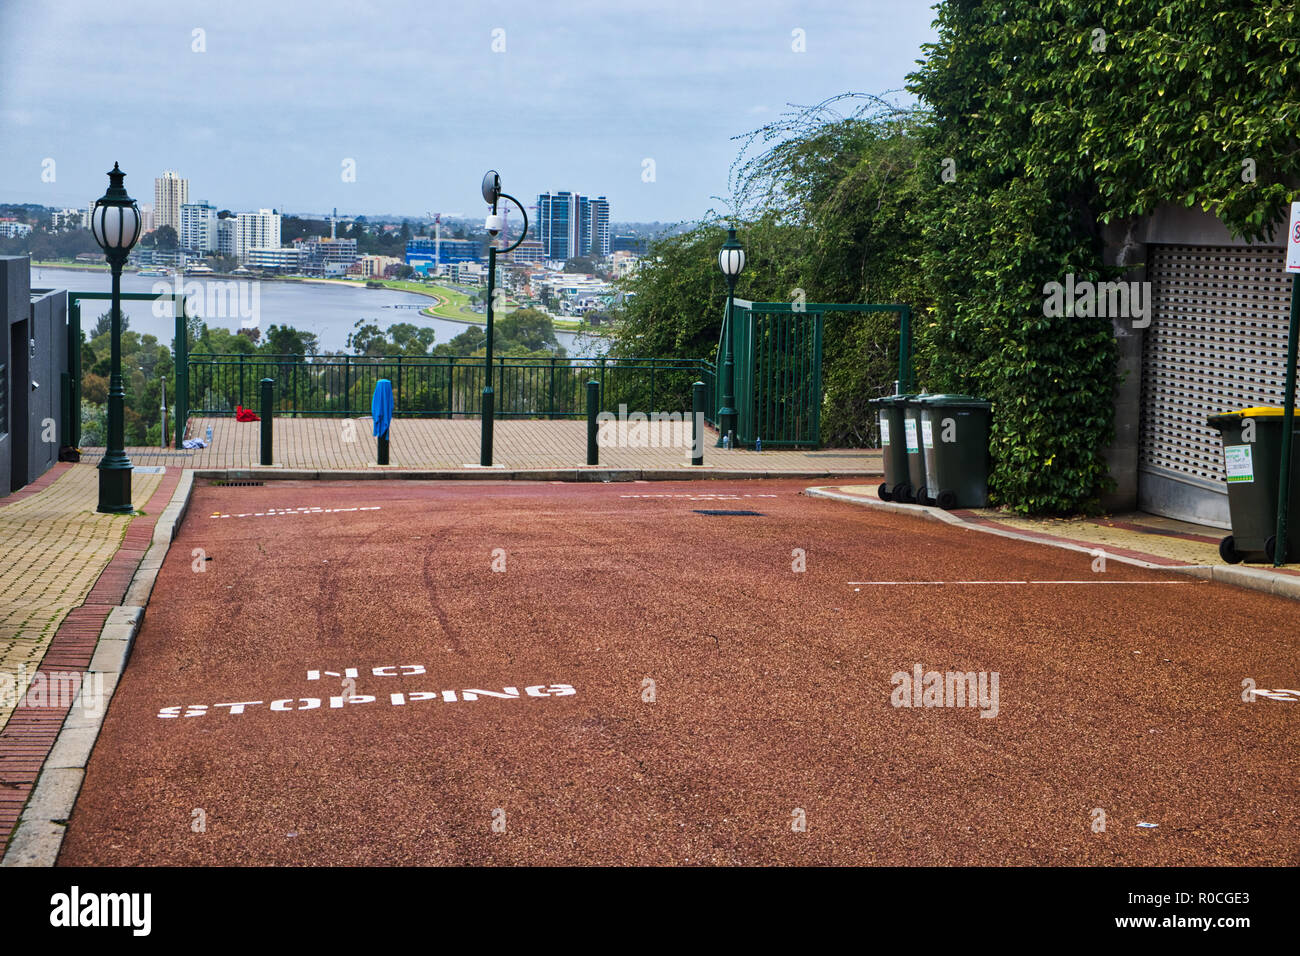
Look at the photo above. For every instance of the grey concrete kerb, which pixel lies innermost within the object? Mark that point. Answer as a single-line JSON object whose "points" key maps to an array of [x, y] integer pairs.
{"points": [[682, 472], [39, 835], [1255, 579]]}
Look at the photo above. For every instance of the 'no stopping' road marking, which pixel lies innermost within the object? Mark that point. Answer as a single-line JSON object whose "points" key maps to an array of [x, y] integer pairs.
{"points": [[282, 512]]}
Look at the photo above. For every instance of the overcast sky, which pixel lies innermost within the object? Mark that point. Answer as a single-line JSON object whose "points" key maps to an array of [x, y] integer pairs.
{"points": [[286, 92]]}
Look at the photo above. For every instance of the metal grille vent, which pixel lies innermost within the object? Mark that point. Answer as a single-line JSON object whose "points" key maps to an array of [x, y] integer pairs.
{"points": [[1217, 342], [238, 484]]}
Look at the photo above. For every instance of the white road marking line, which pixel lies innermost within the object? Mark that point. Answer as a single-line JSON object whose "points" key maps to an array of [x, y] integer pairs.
{"points": [[1017, 582]]}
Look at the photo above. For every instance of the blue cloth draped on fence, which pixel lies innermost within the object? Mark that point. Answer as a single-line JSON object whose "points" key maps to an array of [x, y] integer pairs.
{"points": [[381, 407]]}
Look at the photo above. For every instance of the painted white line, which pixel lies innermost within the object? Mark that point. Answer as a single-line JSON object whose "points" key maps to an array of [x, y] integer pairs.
{"points": [[1112, 582], [898, 582], [860, 583]]}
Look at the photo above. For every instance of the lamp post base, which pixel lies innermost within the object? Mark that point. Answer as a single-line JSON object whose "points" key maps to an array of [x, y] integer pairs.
{"points": [[726, 423], [115, 489]]}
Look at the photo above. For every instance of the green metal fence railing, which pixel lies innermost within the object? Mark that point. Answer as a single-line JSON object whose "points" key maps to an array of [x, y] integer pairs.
{"points": [[442, 386]]}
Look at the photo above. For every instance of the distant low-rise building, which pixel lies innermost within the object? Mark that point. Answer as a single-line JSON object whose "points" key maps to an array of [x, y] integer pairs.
{"points": [[13, 229], [625, 263], [637, 244], [374, 267], [530, 250], [68, 219], [281, 259], [431, 256], [324, 256]]}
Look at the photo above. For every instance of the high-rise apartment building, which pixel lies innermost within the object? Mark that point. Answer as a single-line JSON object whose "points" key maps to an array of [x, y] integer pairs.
{"points": [[557, 224], [256, 230], [570, 225], [226, 229], [599, 245], [170, 192], [198, 229]]}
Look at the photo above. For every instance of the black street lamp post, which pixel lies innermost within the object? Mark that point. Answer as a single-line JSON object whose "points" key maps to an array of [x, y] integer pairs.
{"points": [[731, 260], [115, 223], [491, 195]]}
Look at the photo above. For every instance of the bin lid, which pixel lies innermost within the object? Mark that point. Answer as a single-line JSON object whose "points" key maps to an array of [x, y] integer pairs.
{"points": [[890, 400], [968, 401], [1256, 411]]}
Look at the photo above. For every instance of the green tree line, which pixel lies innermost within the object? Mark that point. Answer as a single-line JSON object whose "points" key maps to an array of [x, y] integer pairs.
{"points": [[1037, 126]]}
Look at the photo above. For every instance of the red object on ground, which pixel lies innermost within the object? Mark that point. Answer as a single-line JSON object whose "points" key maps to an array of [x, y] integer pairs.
{"points": [[243, 414]]}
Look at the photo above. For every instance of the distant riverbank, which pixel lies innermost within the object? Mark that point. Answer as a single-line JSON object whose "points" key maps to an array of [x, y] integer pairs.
{"points": [[446, 306], [450, 310], [329, 310]]}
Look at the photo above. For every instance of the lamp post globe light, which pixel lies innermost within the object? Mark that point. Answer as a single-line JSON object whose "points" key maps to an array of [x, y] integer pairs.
{"points": [[731, 260], [492, 194], [115, 223]]}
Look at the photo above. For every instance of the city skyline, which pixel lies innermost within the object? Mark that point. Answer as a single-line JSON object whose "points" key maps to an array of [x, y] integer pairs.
{"points": [[402, 114]]}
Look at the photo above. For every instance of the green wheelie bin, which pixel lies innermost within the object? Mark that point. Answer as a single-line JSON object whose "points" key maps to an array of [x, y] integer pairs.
{"points": [[1252, 458], [896, 486], [955, 445], [915, 453]]}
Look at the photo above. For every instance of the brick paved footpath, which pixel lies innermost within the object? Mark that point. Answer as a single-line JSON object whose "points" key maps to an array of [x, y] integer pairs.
{"points": [[63, 567], [329, 444]]}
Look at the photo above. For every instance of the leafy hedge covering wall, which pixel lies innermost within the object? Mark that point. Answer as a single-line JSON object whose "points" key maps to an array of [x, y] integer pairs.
{"points": [[1040, 121]]}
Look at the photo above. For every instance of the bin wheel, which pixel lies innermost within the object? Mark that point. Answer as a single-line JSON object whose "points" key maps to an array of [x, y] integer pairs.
{"points": [[903, 493], [946, 500], [883, 492], [1270, 548], [1228, 550], [922, 498]]}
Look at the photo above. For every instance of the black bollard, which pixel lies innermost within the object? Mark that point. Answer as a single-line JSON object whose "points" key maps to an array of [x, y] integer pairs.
{"points": [[593, 408], [267, 385], [697, 423]]}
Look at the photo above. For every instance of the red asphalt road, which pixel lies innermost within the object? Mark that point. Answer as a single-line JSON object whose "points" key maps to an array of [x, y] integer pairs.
{"points": [[771, 690]]}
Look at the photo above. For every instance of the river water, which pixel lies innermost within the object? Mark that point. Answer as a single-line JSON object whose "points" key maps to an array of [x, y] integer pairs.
{"points": [[327, 310]]}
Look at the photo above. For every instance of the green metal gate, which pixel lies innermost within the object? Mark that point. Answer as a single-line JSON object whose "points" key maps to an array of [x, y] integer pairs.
{"points": [[778, 368], [778, 374], [180, 387]]}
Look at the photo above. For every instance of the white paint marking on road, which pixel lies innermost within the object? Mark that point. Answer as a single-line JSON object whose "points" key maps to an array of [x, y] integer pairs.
{"points": [[286, 512], [859, 583]]}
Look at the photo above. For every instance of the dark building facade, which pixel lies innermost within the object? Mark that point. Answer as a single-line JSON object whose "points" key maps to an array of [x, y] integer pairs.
{"points": [[33, 375]]}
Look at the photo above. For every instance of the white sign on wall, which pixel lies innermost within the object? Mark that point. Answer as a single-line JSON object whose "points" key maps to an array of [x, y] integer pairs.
{"points": [[1293, 240]]}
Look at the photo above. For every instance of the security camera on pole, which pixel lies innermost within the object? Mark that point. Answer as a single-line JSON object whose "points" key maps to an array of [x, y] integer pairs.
{"points": [[491, 194]]}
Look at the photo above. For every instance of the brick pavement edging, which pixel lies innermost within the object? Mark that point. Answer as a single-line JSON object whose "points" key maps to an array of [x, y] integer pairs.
{"points": [[1255, 579], [52, 745]]}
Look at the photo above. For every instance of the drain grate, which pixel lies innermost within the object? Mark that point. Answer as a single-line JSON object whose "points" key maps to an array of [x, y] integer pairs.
{"points": [[708, 511], [238, 484]]}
